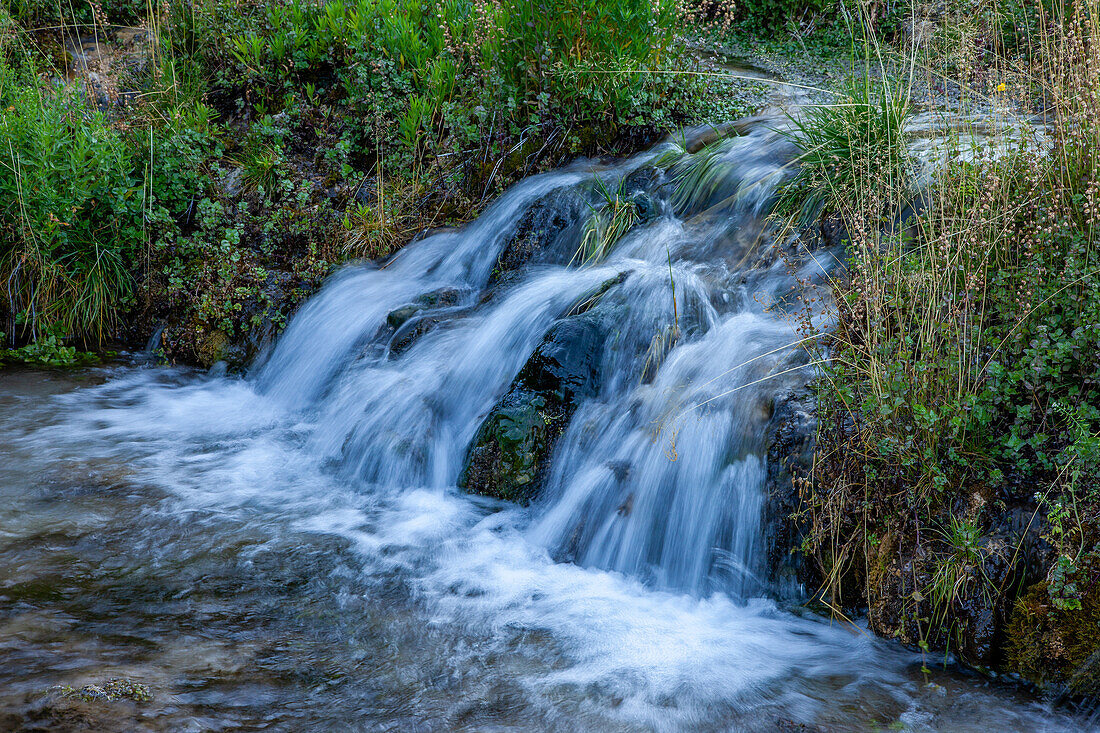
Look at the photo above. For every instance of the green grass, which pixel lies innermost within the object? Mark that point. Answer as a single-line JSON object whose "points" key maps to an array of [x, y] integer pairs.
{"points": [[611, 218], [844, 144], [70, 208]]}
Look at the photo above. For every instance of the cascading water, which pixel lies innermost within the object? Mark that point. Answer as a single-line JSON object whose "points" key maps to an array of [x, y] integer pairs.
{"points": [[290, 550], [660, 474]]}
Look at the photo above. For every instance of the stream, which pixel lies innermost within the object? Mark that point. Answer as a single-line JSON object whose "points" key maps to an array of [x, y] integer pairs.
{"points": [[288, 550]]}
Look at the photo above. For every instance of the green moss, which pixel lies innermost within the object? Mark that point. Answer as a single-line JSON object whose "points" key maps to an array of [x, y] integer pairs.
{"points": [[508, 449], [1050, 645], [113, 690]]}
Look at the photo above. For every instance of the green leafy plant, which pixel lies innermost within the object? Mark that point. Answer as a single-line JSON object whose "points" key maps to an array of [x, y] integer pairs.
{"points": [[49, 350], [70, 210]]}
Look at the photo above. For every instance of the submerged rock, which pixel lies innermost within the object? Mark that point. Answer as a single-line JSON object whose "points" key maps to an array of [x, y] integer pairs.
{"points": [[444, 297], [512, 447], [116, 688], [415, 319]]}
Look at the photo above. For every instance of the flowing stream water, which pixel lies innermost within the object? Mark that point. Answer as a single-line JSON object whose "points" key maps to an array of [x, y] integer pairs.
{"points": [[288, 550]]}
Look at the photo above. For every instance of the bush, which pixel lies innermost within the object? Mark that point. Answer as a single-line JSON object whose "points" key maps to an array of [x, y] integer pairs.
{"points": [[771, 15], [422, 75]]}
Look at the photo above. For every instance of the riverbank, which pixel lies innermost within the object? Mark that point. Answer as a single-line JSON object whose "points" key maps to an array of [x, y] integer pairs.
{"points": [[207, 167]]}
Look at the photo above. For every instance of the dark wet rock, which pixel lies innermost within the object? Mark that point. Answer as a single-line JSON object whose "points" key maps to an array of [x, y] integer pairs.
{"points": [[507, 454], [789, 445], [415, 319], [833, 232], [642, 186], [398, 316], [566, 366], [700, 137], [645, 180], [967, 593], [510, 453], [412, 329], [444, 297], [548, 232]]}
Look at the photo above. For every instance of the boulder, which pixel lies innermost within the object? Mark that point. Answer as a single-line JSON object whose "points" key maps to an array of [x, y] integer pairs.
{"points": [[548, 232], [511, 450]]}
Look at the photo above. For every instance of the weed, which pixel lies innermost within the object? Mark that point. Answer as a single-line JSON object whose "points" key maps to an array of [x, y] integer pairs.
{"points": [[613, 216]]}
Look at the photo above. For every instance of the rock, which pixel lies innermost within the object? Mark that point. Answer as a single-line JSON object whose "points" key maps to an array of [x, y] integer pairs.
{"points": [[262, 317], [790, 446], [444, 297], [832, 232], [548, 232], [505, 459], [410, 322], [213, 348], [231, 182], [566, 365], [1054, 645], [116, 705], [924, 589], [510, 453], [398, 316], [116, 688], [408, 333]]}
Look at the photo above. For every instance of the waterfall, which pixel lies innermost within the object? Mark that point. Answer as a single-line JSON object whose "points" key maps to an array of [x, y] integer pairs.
{"points": [[659, 473]]}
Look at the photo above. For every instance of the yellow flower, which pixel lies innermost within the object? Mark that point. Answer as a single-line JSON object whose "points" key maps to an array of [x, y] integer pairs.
{"points": [[1001, 87]]}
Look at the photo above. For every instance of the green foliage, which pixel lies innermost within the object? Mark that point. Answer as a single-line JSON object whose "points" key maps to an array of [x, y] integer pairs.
{"points": [[70, 209], [614, 215], [224, 148], [419, 76], [48, 351], [959, 568], [844, 144], [768, 16]]}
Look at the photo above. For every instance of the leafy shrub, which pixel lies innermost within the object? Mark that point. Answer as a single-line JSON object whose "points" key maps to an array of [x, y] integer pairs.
{"points": [[771, 15], [48, 351], [419, 74]]}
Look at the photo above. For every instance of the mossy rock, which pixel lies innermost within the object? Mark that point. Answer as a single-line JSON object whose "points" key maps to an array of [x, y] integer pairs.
{"points": [[504, 461], [1053, 646], [511, 451]]}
